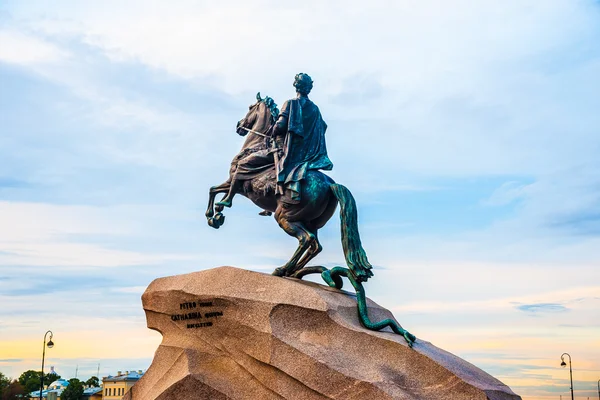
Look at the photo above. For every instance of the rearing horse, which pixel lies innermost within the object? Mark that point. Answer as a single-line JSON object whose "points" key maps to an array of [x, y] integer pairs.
{"points": [[320, 196]]}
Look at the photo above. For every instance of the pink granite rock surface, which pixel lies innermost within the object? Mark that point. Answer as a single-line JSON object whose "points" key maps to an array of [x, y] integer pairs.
{"points": [[230, 333]]}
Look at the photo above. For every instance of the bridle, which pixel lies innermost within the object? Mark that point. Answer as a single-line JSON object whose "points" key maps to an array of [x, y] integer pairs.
{"points": [[256, 132]]}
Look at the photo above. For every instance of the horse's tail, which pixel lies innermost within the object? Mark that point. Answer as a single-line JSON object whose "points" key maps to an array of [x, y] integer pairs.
{"points": [[356, 258]]}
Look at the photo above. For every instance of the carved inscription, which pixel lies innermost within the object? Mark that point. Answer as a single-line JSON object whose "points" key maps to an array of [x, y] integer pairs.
{"points": [[213, 314], [196, 314], [199, 325]]}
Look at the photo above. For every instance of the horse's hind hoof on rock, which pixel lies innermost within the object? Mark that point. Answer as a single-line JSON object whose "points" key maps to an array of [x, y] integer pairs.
{"points": [[279, 272], [410, 338]]}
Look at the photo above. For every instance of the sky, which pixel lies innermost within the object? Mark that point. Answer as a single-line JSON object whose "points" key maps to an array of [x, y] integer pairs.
{"points": [[467, 131]]}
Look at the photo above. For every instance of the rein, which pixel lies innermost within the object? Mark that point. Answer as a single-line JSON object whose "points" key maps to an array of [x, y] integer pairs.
{"points": [[255, 132]]}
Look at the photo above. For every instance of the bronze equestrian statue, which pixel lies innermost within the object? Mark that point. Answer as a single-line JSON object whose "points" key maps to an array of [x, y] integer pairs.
{"points": [[278, 169]]}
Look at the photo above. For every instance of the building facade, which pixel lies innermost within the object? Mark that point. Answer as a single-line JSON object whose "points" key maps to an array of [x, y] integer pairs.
{"points": [[52, 392], [115, 387]]}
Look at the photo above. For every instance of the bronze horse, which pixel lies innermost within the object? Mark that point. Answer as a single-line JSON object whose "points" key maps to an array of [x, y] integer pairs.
{"points": [[319, 198]]}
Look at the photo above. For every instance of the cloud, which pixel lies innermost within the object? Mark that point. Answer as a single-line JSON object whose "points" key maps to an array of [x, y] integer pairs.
{"points": [[467, 134], [51, 235], [22, 49], [574, 298], [584, 222], [359, 90], [542, 308], [12, 183], [507, 193], [131, 289]]}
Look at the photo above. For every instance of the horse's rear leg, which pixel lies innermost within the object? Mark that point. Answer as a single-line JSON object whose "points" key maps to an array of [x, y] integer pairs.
{"points": [[212, 193], [312, 252], [305, 241]]}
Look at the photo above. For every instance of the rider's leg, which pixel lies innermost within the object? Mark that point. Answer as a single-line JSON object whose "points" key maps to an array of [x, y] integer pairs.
{"points": [[257, 160], [233, 189]]}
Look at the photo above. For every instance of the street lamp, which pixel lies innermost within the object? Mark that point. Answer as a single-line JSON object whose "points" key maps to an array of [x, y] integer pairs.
{"points": [[50, 345], [564, 364], [598, 389]]}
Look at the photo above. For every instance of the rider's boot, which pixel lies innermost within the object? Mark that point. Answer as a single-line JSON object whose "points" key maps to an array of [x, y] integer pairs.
{"points": [[227, 200]]}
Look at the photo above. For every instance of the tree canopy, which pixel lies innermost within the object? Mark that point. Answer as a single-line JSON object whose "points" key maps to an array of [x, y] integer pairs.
{"points": [[93, 382], [4, 382], [30, 380], [10, 390], [74, 391]]}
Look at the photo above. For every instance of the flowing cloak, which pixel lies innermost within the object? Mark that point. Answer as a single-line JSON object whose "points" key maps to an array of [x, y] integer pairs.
{"points": [[304, 145]]}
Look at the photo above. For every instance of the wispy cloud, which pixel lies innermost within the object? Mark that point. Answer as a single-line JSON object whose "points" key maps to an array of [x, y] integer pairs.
{"points": [[19, 48], [542, 308]]}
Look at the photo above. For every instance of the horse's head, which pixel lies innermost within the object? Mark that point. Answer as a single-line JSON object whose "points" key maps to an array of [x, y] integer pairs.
{"points": [[260, 117]]}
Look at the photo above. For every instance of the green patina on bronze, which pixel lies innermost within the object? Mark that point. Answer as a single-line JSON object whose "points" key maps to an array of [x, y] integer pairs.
{"points": [[279, 170]]}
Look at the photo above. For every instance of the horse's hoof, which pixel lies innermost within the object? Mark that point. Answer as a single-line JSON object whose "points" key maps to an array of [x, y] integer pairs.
{"points": [[219, 218], [209, 214], [219, 207], [216, 221], [213, 224], [279, 271]]}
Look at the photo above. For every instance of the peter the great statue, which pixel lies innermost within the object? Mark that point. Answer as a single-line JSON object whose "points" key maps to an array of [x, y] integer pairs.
{"points": [[235, 334], [279, 170]]}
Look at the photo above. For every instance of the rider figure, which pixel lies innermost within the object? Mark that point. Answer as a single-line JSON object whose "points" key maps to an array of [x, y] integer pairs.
{"points": [[299, 139], [302, 126]]}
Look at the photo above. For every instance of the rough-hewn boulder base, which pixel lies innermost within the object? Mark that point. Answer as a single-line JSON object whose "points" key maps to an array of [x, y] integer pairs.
{"points": [[229, 333]]}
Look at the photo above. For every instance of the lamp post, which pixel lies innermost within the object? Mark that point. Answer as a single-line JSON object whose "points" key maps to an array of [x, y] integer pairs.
{"points": [[598, 389], [50, 344], [564, 364]]}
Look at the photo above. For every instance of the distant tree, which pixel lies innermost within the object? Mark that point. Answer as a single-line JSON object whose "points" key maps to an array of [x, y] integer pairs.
{"points": [[14, 391], [4, 382], [74, 391], [30, 380], [49, 378], [32, 385], [27, 375], [93, 382]]}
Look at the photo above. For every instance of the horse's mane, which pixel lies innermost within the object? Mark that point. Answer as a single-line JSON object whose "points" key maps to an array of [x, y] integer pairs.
{"points": [[270, 103]]}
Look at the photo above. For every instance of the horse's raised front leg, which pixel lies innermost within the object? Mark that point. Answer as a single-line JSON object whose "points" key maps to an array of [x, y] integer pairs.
{"points": [[212, 193], [305, 241], [217, 220]]}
